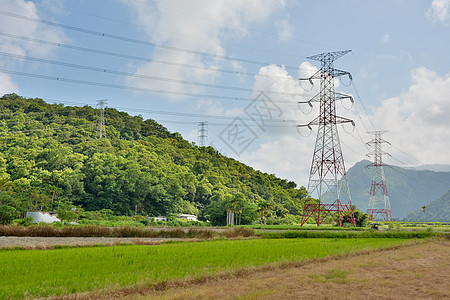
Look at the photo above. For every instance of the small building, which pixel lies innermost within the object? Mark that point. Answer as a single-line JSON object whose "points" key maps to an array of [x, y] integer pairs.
{"points": [[45, 217], [159, 219], [188, 217]]}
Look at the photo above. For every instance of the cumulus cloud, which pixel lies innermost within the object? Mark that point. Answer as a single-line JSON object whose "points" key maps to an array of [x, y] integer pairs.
{"points": [[7, 86], [282, 150], [439, 12], [417, 121], [197, 25], [23, 28]]}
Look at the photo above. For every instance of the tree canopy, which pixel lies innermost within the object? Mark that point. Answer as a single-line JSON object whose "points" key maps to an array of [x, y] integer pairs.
{"points": [[50, 155]]}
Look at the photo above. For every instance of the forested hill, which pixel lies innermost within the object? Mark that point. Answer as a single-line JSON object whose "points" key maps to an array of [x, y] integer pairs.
{"points": [[408, 189], [436, 211], [51, 156]]}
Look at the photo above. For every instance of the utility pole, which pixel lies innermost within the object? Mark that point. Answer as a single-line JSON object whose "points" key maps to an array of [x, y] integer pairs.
{"points": [[379, 200], [101, 118], [202, 133], [327, 175]]}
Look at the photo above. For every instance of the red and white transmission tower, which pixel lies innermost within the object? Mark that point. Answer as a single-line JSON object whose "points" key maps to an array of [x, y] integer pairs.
{"points": [[379, 203], [328, 175]]}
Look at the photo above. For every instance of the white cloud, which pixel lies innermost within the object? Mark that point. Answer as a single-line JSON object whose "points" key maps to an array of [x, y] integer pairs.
{"points": [[26, 28], [386, 38], [417, 120], [7, 86], [282, 149], [215, 108], [287, 157], [23, 28], [439, 12], [197, 25], [285, 30]]}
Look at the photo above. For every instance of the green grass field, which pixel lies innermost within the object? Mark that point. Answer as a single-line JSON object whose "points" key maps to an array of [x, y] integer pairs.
{"points": [[62, 271]]}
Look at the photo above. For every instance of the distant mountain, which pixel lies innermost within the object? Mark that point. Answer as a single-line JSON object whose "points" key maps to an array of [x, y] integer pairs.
{"points": [[408, 189], [436, 211], [432, 167]]}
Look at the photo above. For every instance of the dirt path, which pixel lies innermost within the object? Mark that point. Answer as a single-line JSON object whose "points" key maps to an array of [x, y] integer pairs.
{"points": [[420, 271]]}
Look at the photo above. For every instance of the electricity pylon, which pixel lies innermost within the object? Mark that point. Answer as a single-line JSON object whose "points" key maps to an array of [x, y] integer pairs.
{"points": [[202, 133], [379, 203], [328, 175], [101, 118]]}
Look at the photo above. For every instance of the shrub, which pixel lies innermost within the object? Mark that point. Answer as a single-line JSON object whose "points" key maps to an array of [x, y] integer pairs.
{"points": [[24, 222], [240, 232]]}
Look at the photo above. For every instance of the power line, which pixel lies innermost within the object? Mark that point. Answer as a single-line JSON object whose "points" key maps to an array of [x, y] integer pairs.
{"points": [[170, 113], [224, 124], [136, 41], [133, 57], [362, 104], [233, 25], [179, 34], [142, 76], [123, 87], [43, 129]]}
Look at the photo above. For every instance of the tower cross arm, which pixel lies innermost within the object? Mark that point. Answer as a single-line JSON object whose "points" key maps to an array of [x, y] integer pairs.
{"points": [[316, 75], [341, 96], [377, 141], [321, 121], [341, 120], [329, 72], [316, 98], [329, 56], [337, 73]]}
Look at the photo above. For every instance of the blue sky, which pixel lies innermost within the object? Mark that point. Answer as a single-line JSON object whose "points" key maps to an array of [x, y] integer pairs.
{"points": [[183, 62]]}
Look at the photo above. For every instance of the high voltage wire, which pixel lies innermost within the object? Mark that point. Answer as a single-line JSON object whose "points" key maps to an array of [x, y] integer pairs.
{"points": [[157, 78], [44, 129], [123, 87], [201, 115], [233, 25], [121, 55], [171, 113], [225, 124], [28, 122], [364, 107], [179, 34], [136, 41]]}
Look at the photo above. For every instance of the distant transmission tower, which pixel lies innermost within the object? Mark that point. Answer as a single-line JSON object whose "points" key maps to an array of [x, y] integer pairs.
{"points": [[379, 203], [328, 176], [101, 118], [202, 133]]}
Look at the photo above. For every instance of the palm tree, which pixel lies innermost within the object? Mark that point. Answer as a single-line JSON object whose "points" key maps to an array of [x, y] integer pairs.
{"points": [[263, 208]]}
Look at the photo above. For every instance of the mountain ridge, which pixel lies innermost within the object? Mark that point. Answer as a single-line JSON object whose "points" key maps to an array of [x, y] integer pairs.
{"points": [[436, 211], [408, 189]]}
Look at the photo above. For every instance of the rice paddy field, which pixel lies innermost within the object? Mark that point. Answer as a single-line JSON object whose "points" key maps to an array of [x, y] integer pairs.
{"points": [[57, 272]]}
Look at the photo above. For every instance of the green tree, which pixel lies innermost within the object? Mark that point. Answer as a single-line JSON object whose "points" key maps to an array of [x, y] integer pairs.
{"points": [[10, 207], [67, 211], [264, 209]]}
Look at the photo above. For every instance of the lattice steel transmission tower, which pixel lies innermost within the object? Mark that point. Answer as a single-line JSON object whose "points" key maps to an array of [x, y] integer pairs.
{"points": [[328, 176], [202, 133], [101, 118], [379, 203]]}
